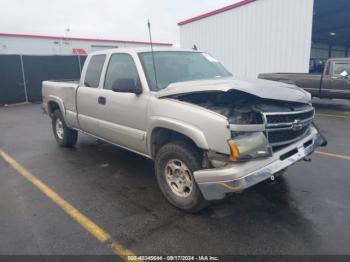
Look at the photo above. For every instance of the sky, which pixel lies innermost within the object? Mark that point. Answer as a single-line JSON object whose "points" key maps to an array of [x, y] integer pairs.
{"points": [[110, 19]]}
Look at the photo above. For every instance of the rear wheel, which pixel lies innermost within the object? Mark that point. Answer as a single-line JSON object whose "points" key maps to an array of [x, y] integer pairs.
{"points": [[174, 164], [65, 136]]}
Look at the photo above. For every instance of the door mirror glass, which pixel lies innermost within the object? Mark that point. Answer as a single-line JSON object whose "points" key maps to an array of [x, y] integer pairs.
{"points": [[126, 85], [344, 74]]}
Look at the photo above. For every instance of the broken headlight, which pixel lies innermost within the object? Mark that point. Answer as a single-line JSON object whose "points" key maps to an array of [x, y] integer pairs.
{"points": [[248, 146]]}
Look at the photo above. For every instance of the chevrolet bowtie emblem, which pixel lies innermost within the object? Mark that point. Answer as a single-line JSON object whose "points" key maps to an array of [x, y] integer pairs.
{"points": [[297, 125]]}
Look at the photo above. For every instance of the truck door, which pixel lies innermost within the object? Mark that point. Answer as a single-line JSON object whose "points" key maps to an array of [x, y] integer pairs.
{"points": [[121, 116], [340, 81], [88, 95]]}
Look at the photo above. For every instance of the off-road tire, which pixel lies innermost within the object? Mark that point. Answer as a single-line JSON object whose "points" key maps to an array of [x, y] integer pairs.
{"points": [[192, 157], [69, 137]]}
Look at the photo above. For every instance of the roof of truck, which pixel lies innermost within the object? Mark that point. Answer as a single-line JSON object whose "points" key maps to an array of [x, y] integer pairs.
{"points": [[339, 59], [143, 49]]}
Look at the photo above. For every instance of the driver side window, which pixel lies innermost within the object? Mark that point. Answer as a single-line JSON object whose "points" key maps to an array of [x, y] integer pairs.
{"points": [[121, 66]]}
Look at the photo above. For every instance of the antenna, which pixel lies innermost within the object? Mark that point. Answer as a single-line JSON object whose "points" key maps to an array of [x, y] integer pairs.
{"points": [[154, 63]]}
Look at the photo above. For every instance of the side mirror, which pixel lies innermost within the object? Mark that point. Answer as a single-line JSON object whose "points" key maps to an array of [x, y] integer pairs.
{"points": [[344, 74], [126, 85]]}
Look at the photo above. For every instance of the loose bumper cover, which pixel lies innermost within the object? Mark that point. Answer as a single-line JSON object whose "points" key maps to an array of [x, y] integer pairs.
{"points": [[216, 183]]}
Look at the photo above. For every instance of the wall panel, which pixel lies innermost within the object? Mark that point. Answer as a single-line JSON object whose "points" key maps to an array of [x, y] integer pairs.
{"points": [[260, 37]]}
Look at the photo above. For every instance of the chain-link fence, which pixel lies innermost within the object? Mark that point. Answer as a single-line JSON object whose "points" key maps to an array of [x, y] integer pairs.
{"points": [[21, 75]]}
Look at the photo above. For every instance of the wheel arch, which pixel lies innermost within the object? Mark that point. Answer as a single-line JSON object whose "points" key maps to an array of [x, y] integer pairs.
{"points": [[55, 103], [163, 130]]}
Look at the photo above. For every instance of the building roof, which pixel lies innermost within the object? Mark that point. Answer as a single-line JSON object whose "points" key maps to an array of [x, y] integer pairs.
{"points": [[215, 12], [82, 39]]}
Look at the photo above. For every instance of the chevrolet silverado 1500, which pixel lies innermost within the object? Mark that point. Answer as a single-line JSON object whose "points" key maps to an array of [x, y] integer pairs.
{"points": [[333, 83], [208, 133]]}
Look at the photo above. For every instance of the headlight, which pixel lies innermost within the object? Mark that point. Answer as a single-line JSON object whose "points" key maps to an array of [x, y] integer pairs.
{"points": [[248, 146]]}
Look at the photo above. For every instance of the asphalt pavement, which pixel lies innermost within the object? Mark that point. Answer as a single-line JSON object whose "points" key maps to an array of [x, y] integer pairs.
{"points": [[307, 212]]}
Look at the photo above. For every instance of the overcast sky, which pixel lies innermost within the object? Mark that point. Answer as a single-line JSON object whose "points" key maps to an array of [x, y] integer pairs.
{"points": [[112, 19]]}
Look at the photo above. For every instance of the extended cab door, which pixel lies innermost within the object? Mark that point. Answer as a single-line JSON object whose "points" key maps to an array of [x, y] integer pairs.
{"points": [[340, 84], [88, 95], [120, 116]]}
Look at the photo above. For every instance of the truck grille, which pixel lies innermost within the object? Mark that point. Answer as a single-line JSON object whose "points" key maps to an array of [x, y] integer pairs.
{"points": [[276, 119], [286, 128], [285, 135]]}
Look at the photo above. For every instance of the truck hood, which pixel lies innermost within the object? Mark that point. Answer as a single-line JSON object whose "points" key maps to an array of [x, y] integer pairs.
{"points": [[258, 87]]}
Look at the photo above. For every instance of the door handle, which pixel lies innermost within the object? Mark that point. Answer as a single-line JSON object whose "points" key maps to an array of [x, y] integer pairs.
{"points": [[102, 100]]}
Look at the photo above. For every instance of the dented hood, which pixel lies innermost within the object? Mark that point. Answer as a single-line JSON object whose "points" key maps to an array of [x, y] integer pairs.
{"points": [[258, 87]]}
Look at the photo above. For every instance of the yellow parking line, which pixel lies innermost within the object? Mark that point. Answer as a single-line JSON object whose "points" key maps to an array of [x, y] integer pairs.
{"points": [[333, 155], [332, 115], [74, 213]]}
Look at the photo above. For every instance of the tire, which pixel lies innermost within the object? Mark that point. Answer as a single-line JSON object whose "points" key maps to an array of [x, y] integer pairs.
{"points": [[172, 154], [65, 136]]}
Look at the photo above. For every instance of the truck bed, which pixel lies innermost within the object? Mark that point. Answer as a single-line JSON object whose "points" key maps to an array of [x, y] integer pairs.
{"points": [[70, 81], [63, 92], [309, 82], [290, 76]]}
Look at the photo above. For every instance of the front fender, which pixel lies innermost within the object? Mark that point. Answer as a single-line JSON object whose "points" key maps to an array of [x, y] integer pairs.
{"points": [[184, 128]]}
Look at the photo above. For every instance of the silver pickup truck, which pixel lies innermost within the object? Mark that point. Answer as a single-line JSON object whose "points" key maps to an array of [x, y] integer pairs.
{"points": [[208, 133]]}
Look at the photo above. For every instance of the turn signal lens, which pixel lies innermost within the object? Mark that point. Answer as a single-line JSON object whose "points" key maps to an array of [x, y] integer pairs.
{"points": [[234, 150]]}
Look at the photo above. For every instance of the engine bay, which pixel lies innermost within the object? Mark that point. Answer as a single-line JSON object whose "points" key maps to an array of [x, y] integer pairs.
{"points": [[240, 107]]}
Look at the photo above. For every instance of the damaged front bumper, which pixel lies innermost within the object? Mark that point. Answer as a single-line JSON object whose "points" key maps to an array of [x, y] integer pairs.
{"points": [[216, 183]]}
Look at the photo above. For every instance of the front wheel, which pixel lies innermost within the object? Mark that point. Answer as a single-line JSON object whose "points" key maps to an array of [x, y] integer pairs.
{"points": [[65, 136], [174, 165]]}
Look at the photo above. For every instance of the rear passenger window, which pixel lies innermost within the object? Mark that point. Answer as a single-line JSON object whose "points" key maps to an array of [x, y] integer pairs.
{"points": [[94, 70], [121, 66]]}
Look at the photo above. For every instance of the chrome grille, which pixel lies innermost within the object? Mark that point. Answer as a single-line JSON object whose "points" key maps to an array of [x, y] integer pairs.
{"points": [[287, 127], [289, 118]]}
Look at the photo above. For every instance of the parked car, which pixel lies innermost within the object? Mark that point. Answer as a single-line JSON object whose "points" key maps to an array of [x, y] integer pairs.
{"points": [[333, 83], [209, 134]]}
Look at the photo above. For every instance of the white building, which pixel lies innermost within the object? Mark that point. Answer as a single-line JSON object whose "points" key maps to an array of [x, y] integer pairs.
{"points": [[263, 36], [58, 45]]}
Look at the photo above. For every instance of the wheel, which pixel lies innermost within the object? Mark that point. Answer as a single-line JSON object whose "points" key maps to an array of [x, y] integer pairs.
{"points": [[174, 165], [65, 136]]}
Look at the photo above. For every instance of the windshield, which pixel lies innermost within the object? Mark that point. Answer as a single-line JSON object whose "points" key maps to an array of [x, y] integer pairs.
{"points": [[172, 67]]}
